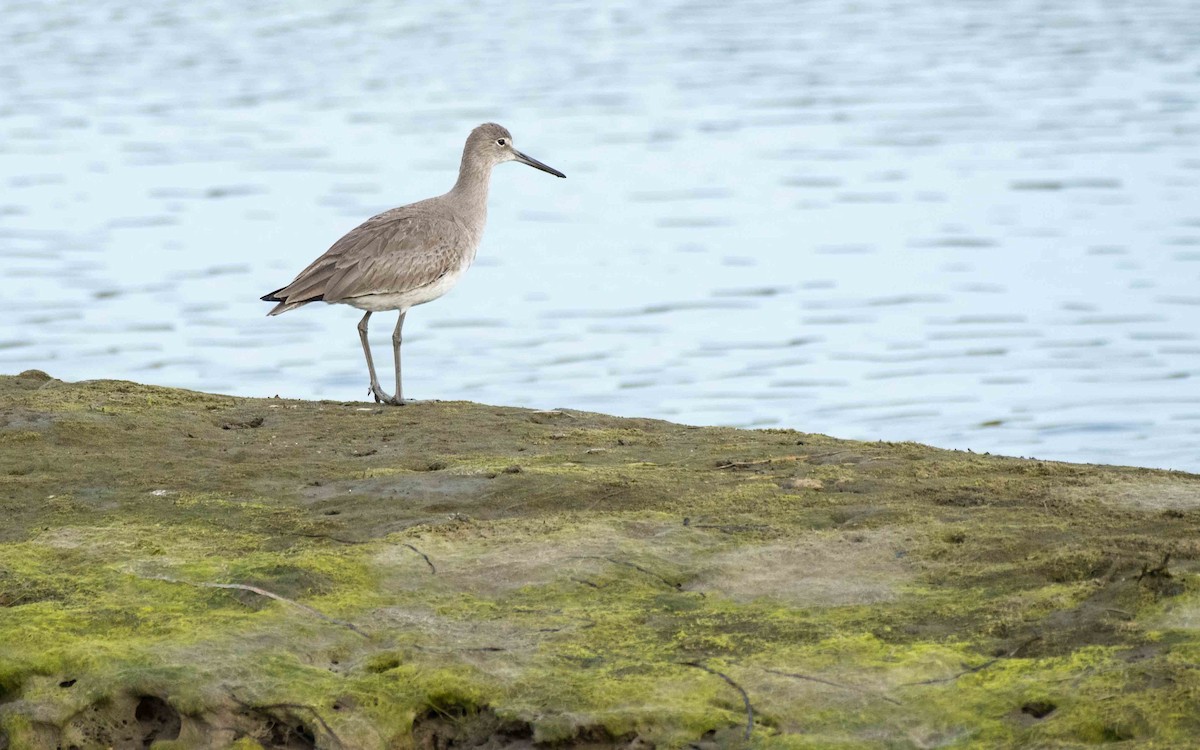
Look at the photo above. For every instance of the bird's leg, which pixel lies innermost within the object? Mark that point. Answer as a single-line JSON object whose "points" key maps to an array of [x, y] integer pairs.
{"points": [[396, 339], [376, 389]]}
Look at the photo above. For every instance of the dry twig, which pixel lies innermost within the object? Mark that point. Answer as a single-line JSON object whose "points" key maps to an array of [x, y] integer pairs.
{"points": [[330, 537], [730, 528], [953, 677], [635, 566], [263, 592], [762, 462], [487, 649], [1158, 570], [424, 557], [831, 683], [735, 686], [978, 668]]}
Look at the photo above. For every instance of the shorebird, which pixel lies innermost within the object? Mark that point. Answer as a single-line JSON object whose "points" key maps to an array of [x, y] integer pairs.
{"points": [[409, 255]]}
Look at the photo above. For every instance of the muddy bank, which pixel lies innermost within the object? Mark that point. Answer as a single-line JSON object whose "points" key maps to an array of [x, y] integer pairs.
{"points": [[182, 569]]}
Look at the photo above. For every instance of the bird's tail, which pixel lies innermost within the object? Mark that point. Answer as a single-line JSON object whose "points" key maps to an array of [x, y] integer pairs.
{"points": [[286, 303]]}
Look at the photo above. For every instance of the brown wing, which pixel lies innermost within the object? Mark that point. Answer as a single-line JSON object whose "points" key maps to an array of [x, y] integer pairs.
{"points": [[396, 251]]}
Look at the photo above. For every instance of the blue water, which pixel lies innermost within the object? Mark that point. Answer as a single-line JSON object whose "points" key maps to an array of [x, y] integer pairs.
{"points": [[970, 224]]}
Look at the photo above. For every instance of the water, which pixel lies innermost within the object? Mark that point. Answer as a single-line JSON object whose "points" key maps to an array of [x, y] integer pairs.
{"points": [[971, 224]]}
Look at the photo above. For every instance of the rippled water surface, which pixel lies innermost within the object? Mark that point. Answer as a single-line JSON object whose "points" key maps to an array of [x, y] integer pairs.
{"points": [[973, 224]]}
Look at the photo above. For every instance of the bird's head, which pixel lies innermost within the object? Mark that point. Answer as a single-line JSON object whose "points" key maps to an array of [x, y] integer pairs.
{"points": [[492, 144]]}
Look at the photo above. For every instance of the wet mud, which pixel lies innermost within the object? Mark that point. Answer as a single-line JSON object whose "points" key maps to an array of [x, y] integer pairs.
{"points": [[456, 575]]}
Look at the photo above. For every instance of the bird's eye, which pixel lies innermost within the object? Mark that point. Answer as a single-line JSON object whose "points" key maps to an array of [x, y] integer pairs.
{"points": [[500, 142]]}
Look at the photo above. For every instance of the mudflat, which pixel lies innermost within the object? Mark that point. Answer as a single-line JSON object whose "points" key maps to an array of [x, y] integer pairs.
{"points": [[182, 569]]}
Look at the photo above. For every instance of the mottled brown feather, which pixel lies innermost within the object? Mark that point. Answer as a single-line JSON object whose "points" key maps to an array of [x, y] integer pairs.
{"points": [[396, 251]]}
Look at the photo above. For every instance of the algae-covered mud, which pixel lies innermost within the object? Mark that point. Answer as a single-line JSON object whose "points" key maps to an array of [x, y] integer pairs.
{"points": [[184, 570]]}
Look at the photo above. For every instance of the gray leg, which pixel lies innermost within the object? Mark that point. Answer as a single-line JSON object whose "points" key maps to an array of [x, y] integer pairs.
{"points": [[376, 389], [396, 351]]}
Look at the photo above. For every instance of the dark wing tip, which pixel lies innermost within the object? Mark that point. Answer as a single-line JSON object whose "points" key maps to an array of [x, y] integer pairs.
{"points": [[273, 296]]}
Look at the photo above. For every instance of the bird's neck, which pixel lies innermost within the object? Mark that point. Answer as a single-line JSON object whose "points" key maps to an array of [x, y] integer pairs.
{"points": [[471, 190]]}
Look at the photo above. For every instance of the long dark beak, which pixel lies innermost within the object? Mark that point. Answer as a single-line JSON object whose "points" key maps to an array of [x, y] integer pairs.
{"points": [[536, 164]]}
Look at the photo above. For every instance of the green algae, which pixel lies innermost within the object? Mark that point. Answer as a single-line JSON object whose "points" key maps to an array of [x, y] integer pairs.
{"points": [[452, 572]]}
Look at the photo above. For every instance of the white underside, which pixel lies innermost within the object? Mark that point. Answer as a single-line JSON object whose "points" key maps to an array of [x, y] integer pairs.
{"points": [[402, 301]]}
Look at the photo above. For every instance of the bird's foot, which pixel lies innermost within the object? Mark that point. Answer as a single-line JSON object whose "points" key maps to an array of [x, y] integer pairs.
{"points": [[376, 390]]}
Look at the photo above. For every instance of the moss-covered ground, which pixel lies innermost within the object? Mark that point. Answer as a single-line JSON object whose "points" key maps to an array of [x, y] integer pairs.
{"points": [[182, 570]]}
